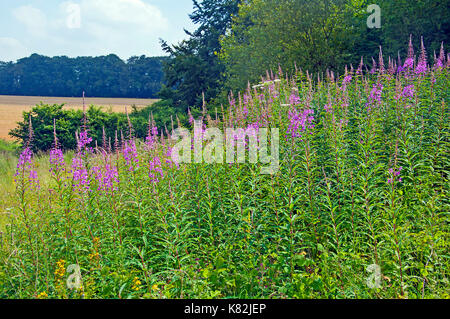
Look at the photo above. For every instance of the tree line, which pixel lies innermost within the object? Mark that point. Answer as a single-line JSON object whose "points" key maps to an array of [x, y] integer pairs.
{"points": [[237, 41], [103, 76]]}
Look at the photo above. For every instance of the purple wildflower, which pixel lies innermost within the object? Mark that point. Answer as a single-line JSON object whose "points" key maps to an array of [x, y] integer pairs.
{"points": [[348, 78], [80, 175], [56, 155], [247, 100], [408, 92], [107, 178], [273, 91], [381, 69], [438, 64], [25, 169], [191, 118], [152, 137], [375, 95], [374, 67], [394, 174], [130, 155], [360, 67], [422, 66], [56, 160], [155, 170], [169, 159], [294, 99], [409, 62], [300, 121], [25, 160], [83, 140]]}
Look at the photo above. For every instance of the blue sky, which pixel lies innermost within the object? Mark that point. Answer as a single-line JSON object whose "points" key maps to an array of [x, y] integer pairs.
{"points": [[90, 27]]}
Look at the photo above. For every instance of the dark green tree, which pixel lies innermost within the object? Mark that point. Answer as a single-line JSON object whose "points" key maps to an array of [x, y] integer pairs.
{"points": [[429, 19], [104, 76], [194, 67], [325, 34]]}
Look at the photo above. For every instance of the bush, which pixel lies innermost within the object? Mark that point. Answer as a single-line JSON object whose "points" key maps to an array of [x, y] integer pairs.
{"points": [[69, 121]]}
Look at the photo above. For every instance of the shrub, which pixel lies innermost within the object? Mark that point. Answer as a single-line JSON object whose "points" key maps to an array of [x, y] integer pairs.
{"points": [[68, 121]]}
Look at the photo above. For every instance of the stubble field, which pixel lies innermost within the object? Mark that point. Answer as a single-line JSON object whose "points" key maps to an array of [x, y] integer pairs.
{"points": [[12, 107]]}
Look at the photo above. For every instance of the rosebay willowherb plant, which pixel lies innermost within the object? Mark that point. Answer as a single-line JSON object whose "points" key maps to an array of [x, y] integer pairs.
{"points": [[362, 186]]}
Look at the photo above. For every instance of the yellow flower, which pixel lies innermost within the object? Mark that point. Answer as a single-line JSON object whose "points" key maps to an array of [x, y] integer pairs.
{"points": [[136, 284], [155, 287], [60, 268], [42, 295], [94, 256]]}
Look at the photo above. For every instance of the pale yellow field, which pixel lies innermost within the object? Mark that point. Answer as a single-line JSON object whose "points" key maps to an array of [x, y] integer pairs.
{"points": [[11, 107]]}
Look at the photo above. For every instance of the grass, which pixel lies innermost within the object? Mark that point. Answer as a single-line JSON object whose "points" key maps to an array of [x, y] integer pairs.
{"points": [[9, 157], [363, 186], [7, 160]]}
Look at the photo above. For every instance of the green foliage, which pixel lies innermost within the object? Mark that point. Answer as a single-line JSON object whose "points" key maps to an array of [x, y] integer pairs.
{"points": [[311, 230], [268, 34], [8, 147], [194, 67], [69, 121], [8, 151], [426, 18], [325, 34]]}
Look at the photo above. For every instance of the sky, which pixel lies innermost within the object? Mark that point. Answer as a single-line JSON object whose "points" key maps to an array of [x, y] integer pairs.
{"points": [[91, 27]]}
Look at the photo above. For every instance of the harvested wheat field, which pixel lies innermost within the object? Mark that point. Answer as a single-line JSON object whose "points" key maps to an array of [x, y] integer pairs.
{"points": [[11, 107]]}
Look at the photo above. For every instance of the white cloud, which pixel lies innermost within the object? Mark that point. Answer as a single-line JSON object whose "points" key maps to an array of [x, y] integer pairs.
{"points": [[123, 27], [119, 19], [12, 49], [34, 19], [125, 12]]}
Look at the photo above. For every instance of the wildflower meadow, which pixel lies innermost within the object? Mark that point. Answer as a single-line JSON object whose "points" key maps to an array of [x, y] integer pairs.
{"points": [[357, 209]]}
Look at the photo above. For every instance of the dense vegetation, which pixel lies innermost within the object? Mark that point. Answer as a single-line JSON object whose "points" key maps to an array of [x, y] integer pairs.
{"points": [[101, 123], [324, 34], [104, 76], [363, 181], [238, 41]]}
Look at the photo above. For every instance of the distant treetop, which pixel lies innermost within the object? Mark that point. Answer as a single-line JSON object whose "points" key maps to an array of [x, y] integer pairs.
{"points": [[103, 76]]}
